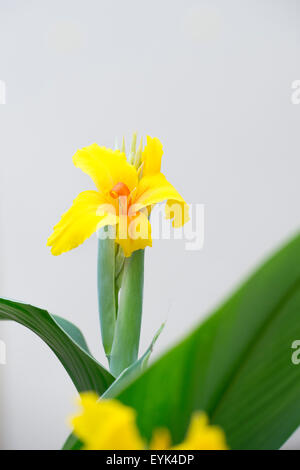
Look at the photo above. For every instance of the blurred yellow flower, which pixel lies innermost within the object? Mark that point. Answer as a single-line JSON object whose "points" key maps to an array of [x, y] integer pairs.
{"points": [[110, 425], [106, 425], [125, 193]]}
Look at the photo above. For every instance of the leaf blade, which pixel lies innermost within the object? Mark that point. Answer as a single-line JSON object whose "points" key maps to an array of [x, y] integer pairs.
{"points": [[85, 372], [216, 367]]}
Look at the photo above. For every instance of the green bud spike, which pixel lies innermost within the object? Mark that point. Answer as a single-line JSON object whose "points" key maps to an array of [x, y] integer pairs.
{"points": [[106, 289], [133, 148], [127, 331]]}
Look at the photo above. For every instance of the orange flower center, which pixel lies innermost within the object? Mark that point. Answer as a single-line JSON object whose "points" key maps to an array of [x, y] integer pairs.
{"points": [[120, 189]]}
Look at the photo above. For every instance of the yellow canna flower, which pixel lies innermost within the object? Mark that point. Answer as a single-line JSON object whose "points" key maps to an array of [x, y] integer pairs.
{"points": [[110, 425], [202, 436], [124, 195], [106, 425]]}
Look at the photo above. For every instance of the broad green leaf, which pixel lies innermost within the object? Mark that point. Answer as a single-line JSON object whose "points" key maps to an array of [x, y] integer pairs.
{"points": [[236, 365], [65, 340]]}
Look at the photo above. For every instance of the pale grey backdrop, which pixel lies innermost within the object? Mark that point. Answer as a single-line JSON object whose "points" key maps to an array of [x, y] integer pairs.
{"points": [[213, 81]]}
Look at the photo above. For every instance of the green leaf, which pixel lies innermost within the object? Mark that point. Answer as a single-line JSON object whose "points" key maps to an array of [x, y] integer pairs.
{"points": [[72, 443], [72, 331], [236, 365], [65, 340]]}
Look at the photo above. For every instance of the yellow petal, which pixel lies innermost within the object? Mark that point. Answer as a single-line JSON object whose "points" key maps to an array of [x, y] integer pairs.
{"points": [[106, 167], [161, 439], [202, 436], [152, 156], [106, 425], [83, 218], [85, 423], [134, 233], [156, 188], [178, 212]]}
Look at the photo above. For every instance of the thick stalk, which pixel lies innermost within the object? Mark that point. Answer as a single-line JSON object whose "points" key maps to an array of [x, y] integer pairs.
{"points": [[127, 331], [106, 290]]}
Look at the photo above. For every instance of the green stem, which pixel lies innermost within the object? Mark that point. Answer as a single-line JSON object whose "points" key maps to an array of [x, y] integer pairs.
{"points": [[106, 290], [127, 330]]}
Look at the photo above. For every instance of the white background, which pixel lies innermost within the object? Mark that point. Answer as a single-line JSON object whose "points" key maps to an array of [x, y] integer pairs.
{"points": [[213, 81]]}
